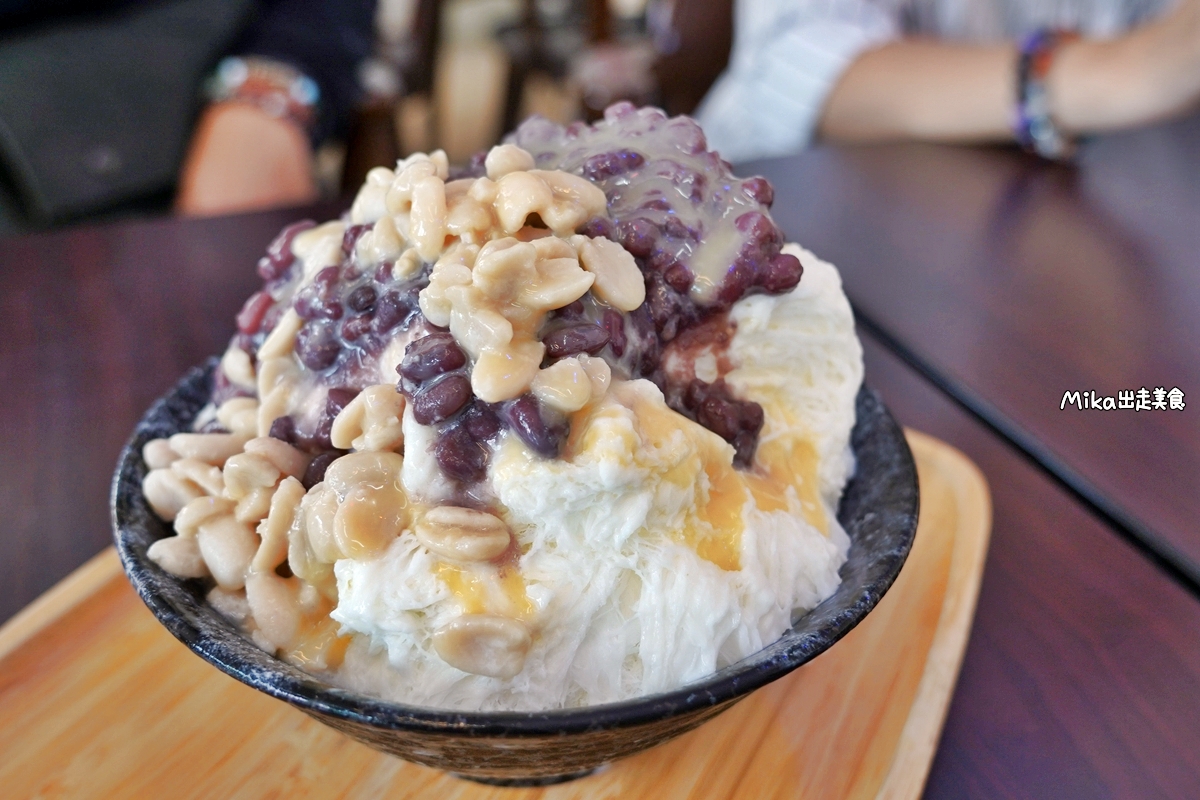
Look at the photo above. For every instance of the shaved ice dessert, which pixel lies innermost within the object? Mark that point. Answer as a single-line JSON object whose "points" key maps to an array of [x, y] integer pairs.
{"points": [[564, 427]]}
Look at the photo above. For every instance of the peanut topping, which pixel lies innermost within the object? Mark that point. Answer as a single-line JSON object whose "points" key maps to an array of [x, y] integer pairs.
{"points": [[505, 374], [619, 282], [368, 519], [371, 421], [564, 385], [484, 644], [505, 158], [463, 534]]}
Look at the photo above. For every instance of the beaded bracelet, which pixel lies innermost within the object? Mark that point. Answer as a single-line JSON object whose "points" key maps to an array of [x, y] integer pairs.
{"points": [[272, 86], [1034, 128]]}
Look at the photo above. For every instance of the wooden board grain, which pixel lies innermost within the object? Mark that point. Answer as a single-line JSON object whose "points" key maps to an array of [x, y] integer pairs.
{"points": [[97, 700]]}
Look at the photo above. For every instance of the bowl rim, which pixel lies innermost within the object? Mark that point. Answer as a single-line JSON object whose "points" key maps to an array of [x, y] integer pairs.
{"points": [[180, 610]]}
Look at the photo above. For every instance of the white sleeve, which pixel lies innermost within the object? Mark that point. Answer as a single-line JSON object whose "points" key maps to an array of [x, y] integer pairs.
{"points": [[787, 54]]}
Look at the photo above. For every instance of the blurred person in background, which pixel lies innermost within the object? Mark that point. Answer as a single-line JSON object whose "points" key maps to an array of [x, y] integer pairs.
{"points": [[1042, 72], [99, 102]]}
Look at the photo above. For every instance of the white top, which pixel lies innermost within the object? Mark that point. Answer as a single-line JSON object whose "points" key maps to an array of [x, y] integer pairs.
{"points": [[787, 54]]}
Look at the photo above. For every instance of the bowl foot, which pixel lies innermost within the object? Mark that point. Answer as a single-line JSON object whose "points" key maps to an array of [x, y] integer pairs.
{"points": [[543, 780]]}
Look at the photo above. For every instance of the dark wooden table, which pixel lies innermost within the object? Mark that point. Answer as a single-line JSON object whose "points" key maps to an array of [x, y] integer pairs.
{"points": [[1012, 282], [1082, 678]]}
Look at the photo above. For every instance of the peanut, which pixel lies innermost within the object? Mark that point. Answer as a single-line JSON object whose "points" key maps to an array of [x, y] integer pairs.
{"points": [[282, 339], [619, 282], [239, 415], [253, 508], [228, 547], [273, 531], [519, 194], [371, 421], [286, 458], [197, 512], [211, 448], [246, 472], [505, 158], [167, 493], [427, 221], [476, 326], [238, 368], [383, 243], [463, 534], [505, 374], [273, 605], [503, 267], [599, 372], [564, 385], [560, 282], [369, 519], [377, 469], [368, 204], [204, 475], [484, 644], [318, 509], [157, 454], [179, 556]]}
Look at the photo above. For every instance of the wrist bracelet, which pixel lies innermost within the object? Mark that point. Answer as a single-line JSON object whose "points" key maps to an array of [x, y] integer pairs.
{"points": [[1034, 128], [274, 87]]}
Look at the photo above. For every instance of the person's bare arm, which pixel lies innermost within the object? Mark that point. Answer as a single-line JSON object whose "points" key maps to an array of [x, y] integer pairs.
{"points": [[917, 89], [243, 159]]}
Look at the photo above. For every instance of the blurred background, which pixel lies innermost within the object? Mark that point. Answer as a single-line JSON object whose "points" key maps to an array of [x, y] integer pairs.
{"points": [[106, 108]]}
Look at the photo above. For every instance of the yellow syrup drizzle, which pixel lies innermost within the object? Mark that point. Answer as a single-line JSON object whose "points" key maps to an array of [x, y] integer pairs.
{"points": [[469, 588], [319, 646], [784, 462], [723, 512]]}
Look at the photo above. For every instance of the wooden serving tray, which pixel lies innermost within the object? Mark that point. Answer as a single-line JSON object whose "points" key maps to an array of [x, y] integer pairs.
{"points": [[98, 700]]}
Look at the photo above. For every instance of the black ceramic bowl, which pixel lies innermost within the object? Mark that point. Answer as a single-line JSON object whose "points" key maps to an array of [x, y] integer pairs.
{"points": [[878, 511]]}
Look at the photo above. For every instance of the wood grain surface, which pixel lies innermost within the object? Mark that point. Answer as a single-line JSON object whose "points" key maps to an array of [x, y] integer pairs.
{"points": [[97, 700], [1024, 279]]}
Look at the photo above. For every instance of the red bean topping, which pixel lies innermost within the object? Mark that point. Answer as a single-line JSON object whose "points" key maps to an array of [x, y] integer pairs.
{"points": [[482, 422], [460, 456], [614, 324], [442, 399], [759, 190], [250, 318], [781, 274], [317, 345], [284, 429], [583, 337], [315, 473], [431, 355], [524, 416], [279, 253]]}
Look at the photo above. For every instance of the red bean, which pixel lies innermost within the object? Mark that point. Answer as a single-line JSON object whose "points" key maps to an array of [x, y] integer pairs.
{"points": [[431, 355], [638, 236], [315, 473], [362, 299], [525, 418], [781, 274], [284, 429], [279, 253], [583, 337], [442, 399], [615, 162], [351, 236], [250, 318], [317, 345], [759, 190], [460, 456], [614, 324]]}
